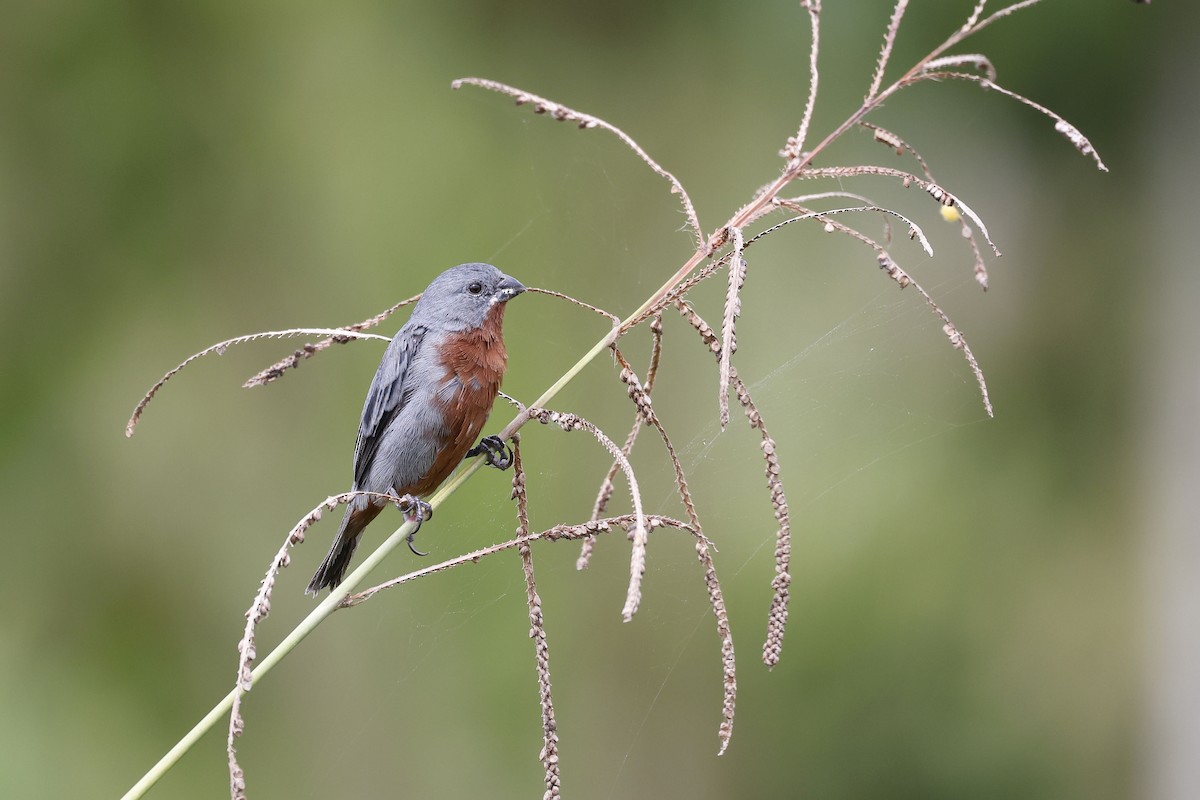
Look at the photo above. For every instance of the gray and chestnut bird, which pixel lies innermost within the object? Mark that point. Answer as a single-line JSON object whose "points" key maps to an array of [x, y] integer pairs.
{"points": [[428, 402]]}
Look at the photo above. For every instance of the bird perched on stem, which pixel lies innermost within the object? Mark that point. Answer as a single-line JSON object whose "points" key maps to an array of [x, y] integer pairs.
{"points": [[429, 399]]}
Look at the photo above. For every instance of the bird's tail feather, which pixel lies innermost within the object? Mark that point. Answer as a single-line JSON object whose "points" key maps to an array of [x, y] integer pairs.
{"points": [[333, 568]]}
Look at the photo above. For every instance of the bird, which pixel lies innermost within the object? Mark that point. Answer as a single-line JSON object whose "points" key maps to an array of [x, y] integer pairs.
{"points": [[429, 399]]}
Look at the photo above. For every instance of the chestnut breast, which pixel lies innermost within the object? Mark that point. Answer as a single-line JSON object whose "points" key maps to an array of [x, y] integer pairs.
{"points": [[474, 363]]}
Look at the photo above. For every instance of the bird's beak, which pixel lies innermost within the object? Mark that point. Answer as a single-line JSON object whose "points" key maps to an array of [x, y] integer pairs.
{"points": [[508, 288]]}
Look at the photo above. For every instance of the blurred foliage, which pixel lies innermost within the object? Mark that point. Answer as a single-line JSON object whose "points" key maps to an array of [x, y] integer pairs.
{"points": [[964, 614]]}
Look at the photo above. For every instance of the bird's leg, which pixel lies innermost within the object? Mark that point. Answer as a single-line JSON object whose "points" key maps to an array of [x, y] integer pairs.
{"points": [[417, 511], [494, 450]]}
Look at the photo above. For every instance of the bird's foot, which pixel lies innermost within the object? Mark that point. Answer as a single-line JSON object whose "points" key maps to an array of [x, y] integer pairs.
{"points": [[415, 510], [494, 451]]}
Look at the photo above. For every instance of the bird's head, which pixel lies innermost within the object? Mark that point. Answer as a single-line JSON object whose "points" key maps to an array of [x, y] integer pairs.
{"points": [[462, 297]]}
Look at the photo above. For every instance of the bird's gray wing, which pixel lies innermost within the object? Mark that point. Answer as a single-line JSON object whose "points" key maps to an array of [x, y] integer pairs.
{"points": [[386, 397]]}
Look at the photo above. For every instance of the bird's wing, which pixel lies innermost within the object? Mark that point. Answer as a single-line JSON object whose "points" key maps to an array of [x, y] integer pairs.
{"points": [[387, 395]]}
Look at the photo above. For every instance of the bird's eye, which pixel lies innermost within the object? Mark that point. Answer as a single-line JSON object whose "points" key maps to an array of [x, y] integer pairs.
{"points": [[475, 288]]}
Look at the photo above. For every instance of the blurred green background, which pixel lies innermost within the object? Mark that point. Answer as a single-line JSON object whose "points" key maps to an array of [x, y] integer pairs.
{"points": [[981, 608]]}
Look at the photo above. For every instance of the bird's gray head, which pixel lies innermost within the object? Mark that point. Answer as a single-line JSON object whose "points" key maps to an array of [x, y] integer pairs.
{"points": [[460, 298]]}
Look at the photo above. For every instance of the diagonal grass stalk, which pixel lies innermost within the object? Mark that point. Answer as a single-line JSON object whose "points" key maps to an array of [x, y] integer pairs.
{"points": [[334, 600]]}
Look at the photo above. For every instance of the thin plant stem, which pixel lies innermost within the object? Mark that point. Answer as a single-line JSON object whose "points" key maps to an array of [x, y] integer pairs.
{"points": [[298, 634]]}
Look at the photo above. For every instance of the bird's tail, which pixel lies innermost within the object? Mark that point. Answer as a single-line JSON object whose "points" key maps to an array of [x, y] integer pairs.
{"points": [[334, 567]]}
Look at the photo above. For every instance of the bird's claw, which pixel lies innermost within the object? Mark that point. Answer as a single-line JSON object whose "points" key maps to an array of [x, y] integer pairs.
{"points": [[494, 451], [409, 541], [415, 510]]}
